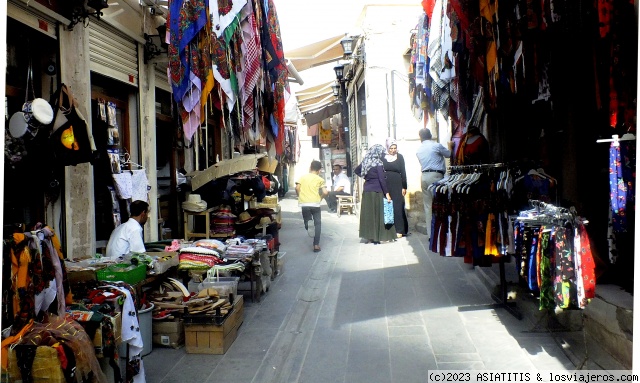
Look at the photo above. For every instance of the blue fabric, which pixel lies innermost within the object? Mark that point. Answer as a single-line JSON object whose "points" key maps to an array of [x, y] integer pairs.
{"points": [[532, 276]]}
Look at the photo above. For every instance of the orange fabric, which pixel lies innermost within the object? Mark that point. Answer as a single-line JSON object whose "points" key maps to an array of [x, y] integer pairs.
{"points": [[19, 269], [490, 247], [204, 45], [11, 340]]}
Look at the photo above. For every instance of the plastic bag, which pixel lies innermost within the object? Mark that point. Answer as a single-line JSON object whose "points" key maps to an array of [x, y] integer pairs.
{"points": [[388, 211]]}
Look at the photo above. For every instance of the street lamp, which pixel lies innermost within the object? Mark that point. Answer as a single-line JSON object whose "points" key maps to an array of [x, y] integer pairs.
{"points": [[339, 69], [335, 88], [347, 46]]}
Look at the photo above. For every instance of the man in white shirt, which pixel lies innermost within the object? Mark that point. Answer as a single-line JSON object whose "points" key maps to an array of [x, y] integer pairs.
{"points": [[127, 237], [341, 186]]}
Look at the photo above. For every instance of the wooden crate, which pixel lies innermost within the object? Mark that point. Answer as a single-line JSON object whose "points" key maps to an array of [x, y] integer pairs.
{"points": [[212, 339]]}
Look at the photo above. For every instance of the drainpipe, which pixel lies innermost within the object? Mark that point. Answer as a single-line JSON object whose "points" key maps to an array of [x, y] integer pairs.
{"points": [[386, 83], [393, 104]]}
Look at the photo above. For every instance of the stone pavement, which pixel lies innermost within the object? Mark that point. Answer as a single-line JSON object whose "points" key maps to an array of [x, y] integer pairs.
{"points": [[360, 312]]}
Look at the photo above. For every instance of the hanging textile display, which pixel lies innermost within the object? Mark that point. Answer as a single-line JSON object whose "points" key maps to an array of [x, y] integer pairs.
{"points": [[251, 55], [555, 258], [277, 69], [38, 274], [189, 38], [234, 47]]}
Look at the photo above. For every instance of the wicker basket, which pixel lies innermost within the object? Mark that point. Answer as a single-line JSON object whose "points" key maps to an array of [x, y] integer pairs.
{"points": [[124, 272]]}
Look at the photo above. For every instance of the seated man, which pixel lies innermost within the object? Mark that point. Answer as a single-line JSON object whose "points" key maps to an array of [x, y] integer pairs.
{"points": [[128, 236], [341, 186]]}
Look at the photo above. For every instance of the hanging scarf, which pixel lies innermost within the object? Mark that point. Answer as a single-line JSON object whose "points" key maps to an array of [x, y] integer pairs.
{"points": [[372, 159], [186, 19], [617, 186]]}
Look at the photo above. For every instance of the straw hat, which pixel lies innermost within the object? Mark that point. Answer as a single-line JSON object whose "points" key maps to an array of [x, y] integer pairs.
{"points": [[244, 217], [264, 222], [194, 203]]}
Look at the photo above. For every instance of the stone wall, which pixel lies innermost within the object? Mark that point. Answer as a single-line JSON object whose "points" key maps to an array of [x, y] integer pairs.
{"points": [[415, 212]]}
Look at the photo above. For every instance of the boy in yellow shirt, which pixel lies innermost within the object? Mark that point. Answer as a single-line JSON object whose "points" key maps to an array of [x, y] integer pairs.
{"points": [[310, 189]]}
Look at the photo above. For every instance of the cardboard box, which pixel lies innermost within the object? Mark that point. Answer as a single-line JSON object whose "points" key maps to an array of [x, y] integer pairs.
{"points": [[224, 168], [81, 276], [267, 164], [212, 339], [168, 334]]}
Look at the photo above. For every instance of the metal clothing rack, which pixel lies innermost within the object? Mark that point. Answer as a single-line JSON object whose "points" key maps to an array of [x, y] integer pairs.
{"points": [[477, 167], [502, 300]]}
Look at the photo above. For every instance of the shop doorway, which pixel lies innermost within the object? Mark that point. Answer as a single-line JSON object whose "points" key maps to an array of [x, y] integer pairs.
{"points": [[29, 172]]}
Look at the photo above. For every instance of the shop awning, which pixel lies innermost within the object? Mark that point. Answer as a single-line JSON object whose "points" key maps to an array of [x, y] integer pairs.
{"points": [[325, 112], [315, 54], [225, 168], [317, 103]]}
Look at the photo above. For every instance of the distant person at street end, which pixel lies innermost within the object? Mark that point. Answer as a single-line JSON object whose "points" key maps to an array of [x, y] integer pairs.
{"points": [[341, 186], [310, 189], [394, 168], [431, 155]]}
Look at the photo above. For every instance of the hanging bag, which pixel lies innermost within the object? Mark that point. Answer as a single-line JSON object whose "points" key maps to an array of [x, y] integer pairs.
{"points": [[388, 211], [70, 138]]}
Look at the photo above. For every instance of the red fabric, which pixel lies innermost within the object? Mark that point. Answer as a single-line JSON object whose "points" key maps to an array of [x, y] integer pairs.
{"points": [[61, 356], [428, 6], [209, 260], [587, 263]]}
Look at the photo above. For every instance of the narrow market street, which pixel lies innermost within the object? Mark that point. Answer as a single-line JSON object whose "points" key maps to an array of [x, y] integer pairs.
{"points": [[359, 312]]}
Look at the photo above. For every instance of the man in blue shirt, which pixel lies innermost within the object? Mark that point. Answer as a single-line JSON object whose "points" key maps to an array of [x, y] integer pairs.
{"points": [[431, 155]]}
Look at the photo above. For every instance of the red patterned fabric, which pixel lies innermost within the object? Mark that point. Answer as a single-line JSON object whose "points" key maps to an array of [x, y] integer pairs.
{"points": [[588, 264], [197, 258]]}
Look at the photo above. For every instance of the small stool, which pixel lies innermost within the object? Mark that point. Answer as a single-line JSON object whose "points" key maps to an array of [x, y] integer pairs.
{"points": [[189, 234], [346, 203]]}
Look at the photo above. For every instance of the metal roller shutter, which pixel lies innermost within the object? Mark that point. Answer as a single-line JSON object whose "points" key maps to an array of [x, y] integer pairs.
{"points": [[353, 133], [162, 81], [112, 54], [32, 18]]}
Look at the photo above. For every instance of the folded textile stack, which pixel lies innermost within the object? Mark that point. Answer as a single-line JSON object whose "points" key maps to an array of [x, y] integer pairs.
{"points": [[211, 244], [198, 258], [240, 251], [223, 222]]}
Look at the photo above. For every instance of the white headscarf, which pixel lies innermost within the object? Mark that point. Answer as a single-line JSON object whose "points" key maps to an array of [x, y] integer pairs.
{"points": [[389, 157]]}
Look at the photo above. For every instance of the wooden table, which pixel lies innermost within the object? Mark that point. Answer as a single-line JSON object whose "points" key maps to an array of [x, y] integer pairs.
{"points": [[188, 234]]}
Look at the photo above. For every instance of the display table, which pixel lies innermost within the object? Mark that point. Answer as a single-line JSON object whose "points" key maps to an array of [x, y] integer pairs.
{"points": [[187, 233]]}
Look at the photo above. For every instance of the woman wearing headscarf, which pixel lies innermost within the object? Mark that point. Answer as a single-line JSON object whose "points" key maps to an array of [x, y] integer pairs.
{"points": [[372, 227], [393, 164]]}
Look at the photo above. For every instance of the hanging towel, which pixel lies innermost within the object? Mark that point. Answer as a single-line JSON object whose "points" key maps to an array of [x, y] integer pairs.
{"points": [[122, 182], [140, 185], [131, 332]]}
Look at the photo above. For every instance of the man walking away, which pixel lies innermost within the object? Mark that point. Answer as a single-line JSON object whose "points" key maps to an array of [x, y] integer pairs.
{"points": [[341, 186], [310, 189], [432, 156]]}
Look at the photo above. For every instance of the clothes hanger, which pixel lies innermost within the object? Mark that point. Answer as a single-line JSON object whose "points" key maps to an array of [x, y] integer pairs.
{"points": [[127, 161]]}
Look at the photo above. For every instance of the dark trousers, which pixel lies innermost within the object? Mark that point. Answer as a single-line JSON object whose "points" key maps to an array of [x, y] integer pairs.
{"points": [[332, 199], [309, 213]]}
